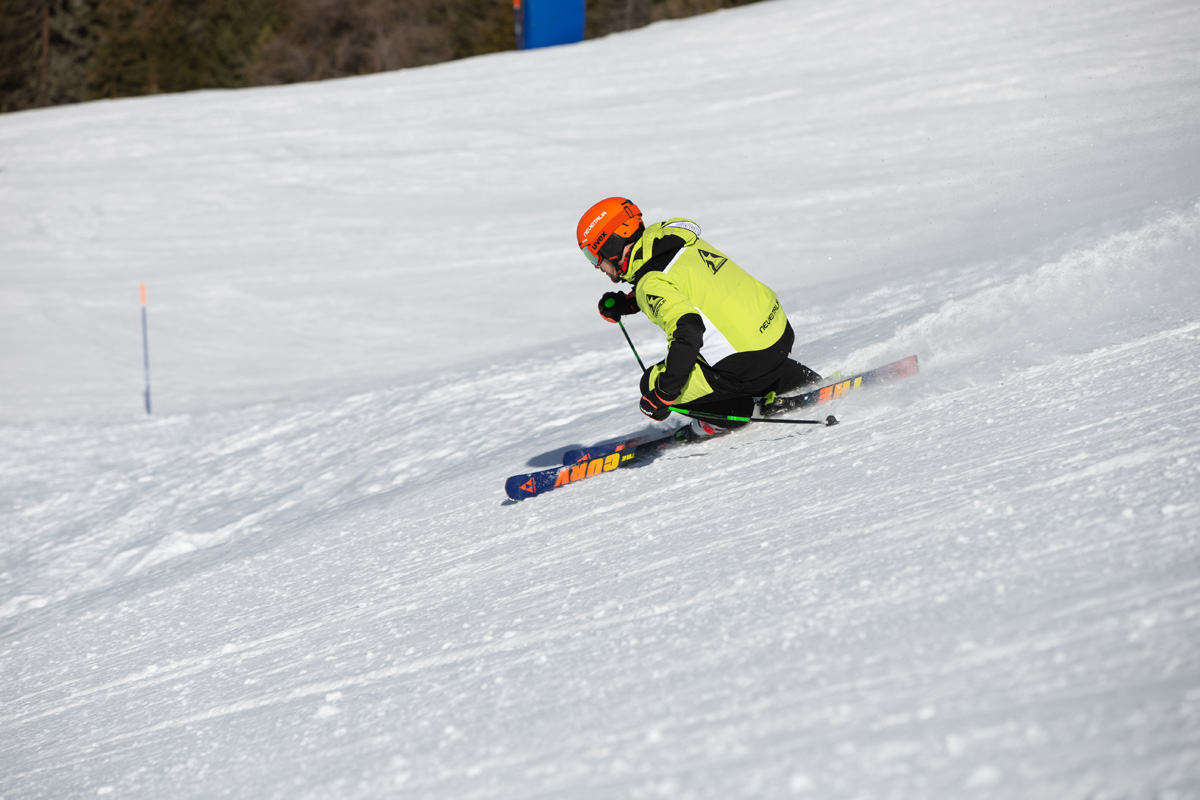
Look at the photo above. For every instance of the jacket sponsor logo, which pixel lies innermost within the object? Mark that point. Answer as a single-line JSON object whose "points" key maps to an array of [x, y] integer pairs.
{"points": [[655, 303], [713, 260], [770, 318], [687, 226]]}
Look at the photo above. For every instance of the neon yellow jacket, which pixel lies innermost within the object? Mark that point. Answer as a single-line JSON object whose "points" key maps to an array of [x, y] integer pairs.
{"points": [[708, 306]]}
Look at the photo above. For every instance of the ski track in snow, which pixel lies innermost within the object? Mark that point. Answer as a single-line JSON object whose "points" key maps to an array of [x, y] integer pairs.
{"points": [[983, 583], [1067, 303]]}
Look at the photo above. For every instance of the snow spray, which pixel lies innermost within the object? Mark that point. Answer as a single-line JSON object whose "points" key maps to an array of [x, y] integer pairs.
{"points": [[145, 348]]}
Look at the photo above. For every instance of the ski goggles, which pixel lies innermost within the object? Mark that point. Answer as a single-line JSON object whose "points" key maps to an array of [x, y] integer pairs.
{"points": [[612, 250]]}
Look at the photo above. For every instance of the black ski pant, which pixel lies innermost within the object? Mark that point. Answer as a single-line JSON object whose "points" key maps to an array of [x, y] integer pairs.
{"points": [[737, 379]]}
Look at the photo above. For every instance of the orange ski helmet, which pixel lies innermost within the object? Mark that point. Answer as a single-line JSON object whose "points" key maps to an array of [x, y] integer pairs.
{"points": [[605, 229]]}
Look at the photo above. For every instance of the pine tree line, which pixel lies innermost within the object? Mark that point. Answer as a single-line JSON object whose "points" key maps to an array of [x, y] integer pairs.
{"points": [[66, 51]]}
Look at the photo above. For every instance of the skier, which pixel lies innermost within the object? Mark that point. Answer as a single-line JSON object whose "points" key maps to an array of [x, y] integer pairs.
{"points": [[728, 339]]}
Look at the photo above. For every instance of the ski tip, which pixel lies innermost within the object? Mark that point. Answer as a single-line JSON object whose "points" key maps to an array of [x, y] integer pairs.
{"points": [[518, 487]]}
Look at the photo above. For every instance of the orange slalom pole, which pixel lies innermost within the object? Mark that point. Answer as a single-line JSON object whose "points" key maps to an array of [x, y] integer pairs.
{"points": [[145, 348]]}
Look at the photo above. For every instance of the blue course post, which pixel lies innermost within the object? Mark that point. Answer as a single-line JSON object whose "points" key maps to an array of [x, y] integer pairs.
{"points": [[545, 23]]}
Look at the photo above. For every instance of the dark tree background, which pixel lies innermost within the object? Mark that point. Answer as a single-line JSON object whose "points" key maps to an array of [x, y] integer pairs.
{"points": [[66, 51]]}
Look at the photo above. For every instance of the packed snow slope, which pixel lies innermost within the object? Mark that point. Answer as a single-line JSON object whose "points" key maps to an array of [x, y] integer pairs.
{"points": [[299, 577]]}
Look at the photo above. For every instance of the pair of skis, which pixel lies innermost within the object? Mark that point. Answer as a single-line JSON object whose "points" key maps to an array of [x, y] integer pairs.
{"points": [[583, 463]]}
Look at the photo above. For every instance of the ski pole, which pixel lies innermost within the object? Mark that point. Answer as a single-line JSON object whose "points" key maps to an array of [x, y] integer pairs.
{"points": [[609, 303], [631, 347], [828, 421]]}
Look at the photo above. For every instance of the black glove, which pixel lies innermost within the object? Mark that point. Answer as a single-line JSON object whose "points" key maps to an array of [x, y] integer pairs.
{"points": [[614, 305], [655, 406]]}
